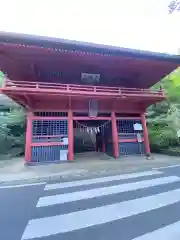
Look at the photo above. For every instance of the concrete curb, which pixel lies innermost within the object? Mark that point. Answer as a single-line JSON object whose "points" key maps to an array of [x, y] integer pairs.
{"points": [[83, 175], [74, 177]]}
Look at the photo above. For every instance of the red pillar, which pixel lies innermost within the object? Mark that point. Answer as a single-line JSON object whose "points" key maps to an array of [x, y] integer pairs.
{"points": [[146, 138], [70, 135], [28, 137], [115, 135]]}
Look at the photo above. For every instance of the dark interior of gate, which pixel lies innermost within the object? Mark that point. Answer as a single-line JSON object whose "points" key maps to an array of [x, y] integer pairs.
{"points": [[89, 135], [96, 135]]}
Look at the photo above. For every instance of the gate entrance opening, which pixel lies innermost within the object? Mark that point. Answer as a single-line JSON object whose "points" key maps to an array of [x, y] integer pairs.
{"points": [[91, 135]]}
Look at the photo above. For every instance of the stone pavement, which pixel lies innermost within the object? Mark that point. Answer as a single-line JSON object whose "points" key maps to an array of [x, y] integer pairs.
{"points": [[15, 171]]}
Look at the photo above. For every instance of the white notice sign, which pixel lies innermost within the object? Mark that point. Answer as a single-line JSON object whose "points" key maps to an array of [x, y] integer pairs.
{"points": [[63, 155], [137, 127], [139, 138], [65, 141], [93, 108], [178, 133]]}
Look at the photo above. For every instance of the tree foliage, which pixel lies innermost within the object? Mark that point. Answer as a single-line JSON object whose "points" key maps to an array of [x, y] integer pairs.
{"points": [[164, 117], [12, 126]]}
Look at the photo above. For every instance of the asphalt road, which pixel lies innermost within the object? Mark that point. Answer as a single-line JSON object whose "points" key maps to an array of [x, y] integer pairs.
{"points": [[137, 206]]}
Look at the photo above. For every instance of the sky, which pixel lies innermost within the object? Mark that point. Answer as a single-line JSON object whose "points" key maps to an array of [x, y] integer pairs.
{"points": [[138, 24]]}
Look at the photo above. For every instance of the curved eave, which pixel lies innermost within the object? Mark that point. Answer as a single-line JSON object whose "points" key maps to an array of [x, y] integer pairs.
{"points": [[49, 42]]}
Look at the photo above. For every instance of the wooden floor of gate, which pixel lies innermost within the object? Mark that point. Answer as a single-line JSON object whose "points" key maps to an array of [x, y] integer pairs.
{"points": [[91, 156]]}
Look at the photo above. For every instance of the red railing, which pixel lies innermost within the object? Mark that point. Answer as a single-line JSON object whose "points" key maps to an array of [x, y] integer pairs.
{"points": [[81, 89]]}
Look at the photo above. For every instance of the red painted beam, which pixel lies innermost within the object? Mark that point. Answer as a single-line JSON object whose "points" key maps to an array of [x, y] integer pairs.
{"points": [[128, 118], [28, 137], [86, 94], [42, 91], [46, 144], [114, 135], [90, 118], [76, 88], [129, 140], [70, 135], [48, 136], [49, 118], [146, 138]]}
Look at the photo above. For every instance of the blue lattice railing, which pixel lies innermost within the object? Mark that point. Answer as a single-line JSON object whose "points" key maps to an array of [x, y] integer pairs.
{"points": [[128, 137], [48, 140]]}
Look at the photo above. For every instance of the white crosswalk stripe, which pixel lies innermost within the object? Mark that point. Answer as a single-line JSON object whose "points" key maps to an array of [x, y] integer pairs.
{"points": [[79, 219], [166, 233], [75, 196], [100, 180]]}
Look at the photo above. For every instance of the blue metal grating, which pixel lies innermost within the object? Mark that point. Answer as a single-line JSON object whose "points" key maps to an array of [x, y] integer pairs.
{"points": [[48, 131], [49, 139], [47, 153], [51, 114], [126, 131], [126, 126], [131, 148], [50, 127]]}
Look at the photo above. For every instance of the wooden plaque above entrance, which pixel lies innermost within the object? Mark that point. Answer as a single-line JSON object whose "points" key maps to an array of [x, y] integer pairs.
{"points": [[93, 108]]}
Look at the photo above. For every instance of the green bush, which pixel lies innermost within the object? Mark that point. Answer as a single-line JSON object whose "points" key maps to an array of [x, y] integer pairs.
{"points": [[164, 117]]}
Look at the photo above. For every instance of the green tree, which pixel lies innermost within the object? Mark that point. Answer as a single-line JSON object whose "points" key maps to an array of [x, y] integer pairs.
{"points": [[163, 117], [12, 125]]}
